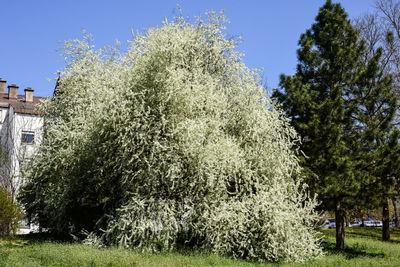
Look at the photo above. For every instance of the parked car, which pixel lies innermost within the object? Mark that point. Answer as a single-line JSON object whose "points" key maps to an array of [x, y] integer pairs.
{"points": [[357, 222], [328, 224], [372, 223], [332, 222], [324, 225]]}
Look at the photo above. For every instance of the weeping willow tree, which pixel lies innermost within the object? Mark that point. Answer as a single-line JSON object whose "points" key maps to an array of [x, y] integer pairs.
{"points": [[172, 143]]}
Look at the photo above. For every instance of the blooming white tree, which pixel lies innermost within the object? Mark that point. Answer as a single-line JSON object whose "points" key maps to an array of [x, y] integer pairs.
{"points": [[172, 143]]}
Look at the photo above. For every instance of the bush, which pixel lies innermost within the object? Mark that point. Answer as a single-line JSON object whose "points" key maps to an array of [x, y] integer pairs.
{"points": [[171, 143], [10, 214]]}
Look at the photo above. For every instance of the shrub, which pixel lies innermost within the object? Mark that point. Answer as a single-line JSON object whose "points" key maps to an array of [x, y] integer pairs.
{"points": [[10, 214], [173, 142]]}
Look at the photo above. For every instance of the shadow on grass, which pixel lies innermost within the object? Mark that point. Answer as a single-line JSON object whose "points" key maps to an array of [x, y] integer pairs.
{"points": [[45, 237], [349, 253], [374, 233]]}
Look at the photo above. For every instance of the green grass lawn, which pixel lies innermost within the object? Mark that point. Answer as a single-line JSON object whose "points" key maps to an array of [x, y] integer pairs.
{"points": [[363, 248]]}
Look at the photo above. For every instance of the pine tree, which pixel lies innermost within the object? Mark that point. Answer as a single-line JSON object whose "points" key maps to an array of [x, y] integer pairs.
{"points": [[381, 32], [326, 100], [375, 106]]}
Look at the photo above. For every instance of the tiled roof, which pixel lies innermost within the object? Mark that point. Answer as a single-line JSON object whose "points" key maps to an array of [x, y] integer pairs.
{"points": [[19, 104]]}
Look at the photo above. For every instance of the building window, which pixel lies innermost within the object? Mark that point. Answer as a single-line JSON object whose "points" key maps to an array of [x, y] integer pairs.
{"points": [[28, 137]]}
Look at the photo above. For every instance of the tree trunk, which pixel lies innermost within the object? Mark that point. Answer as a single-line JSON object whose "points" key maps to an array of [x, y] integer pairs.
{"points": [[339, 215], [385, 222], [396, 214]]}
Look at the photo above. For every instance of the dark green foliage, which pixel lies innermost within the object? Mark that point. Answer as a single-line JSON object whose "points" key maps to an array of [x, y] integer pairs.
{"points": [[10, 214], [377, 138], [315, 99]]}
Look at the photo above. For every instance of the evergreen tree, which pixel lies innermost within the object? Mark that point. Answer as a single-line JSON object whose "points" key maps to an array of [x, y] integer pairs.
{"points": [[327, 101], [375, 106], [381, 32]]}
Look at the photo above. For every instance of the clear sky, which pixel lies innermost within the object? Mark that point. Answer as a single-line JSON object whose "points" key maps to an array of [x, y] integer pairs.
{"points": [[30, 31]]}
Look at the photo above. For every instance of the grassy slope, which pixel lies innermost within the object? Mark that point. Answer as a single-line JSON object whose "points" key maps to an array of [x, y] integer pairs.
{"points": [[363, 248]]}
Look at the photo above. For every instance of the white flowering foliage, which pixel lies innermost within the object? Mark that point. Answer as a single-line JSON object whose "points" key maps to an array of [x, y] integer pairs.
{"points": [[173, 143]]}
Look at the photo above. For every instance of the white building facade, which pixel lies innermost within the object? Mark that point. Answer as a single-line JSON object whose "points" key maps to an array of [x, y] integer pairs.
{"points": [[20, 132]]}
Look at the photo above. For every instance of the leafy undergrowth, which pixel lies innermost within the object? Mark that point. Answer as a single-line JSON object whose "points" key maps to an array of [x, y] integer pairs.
{"points": [[363, 248]]}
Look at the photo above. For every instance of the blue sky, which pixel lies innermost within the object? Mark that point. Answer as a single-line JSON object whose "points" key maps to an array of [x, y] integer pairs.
{"points": [[30, 31]]}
